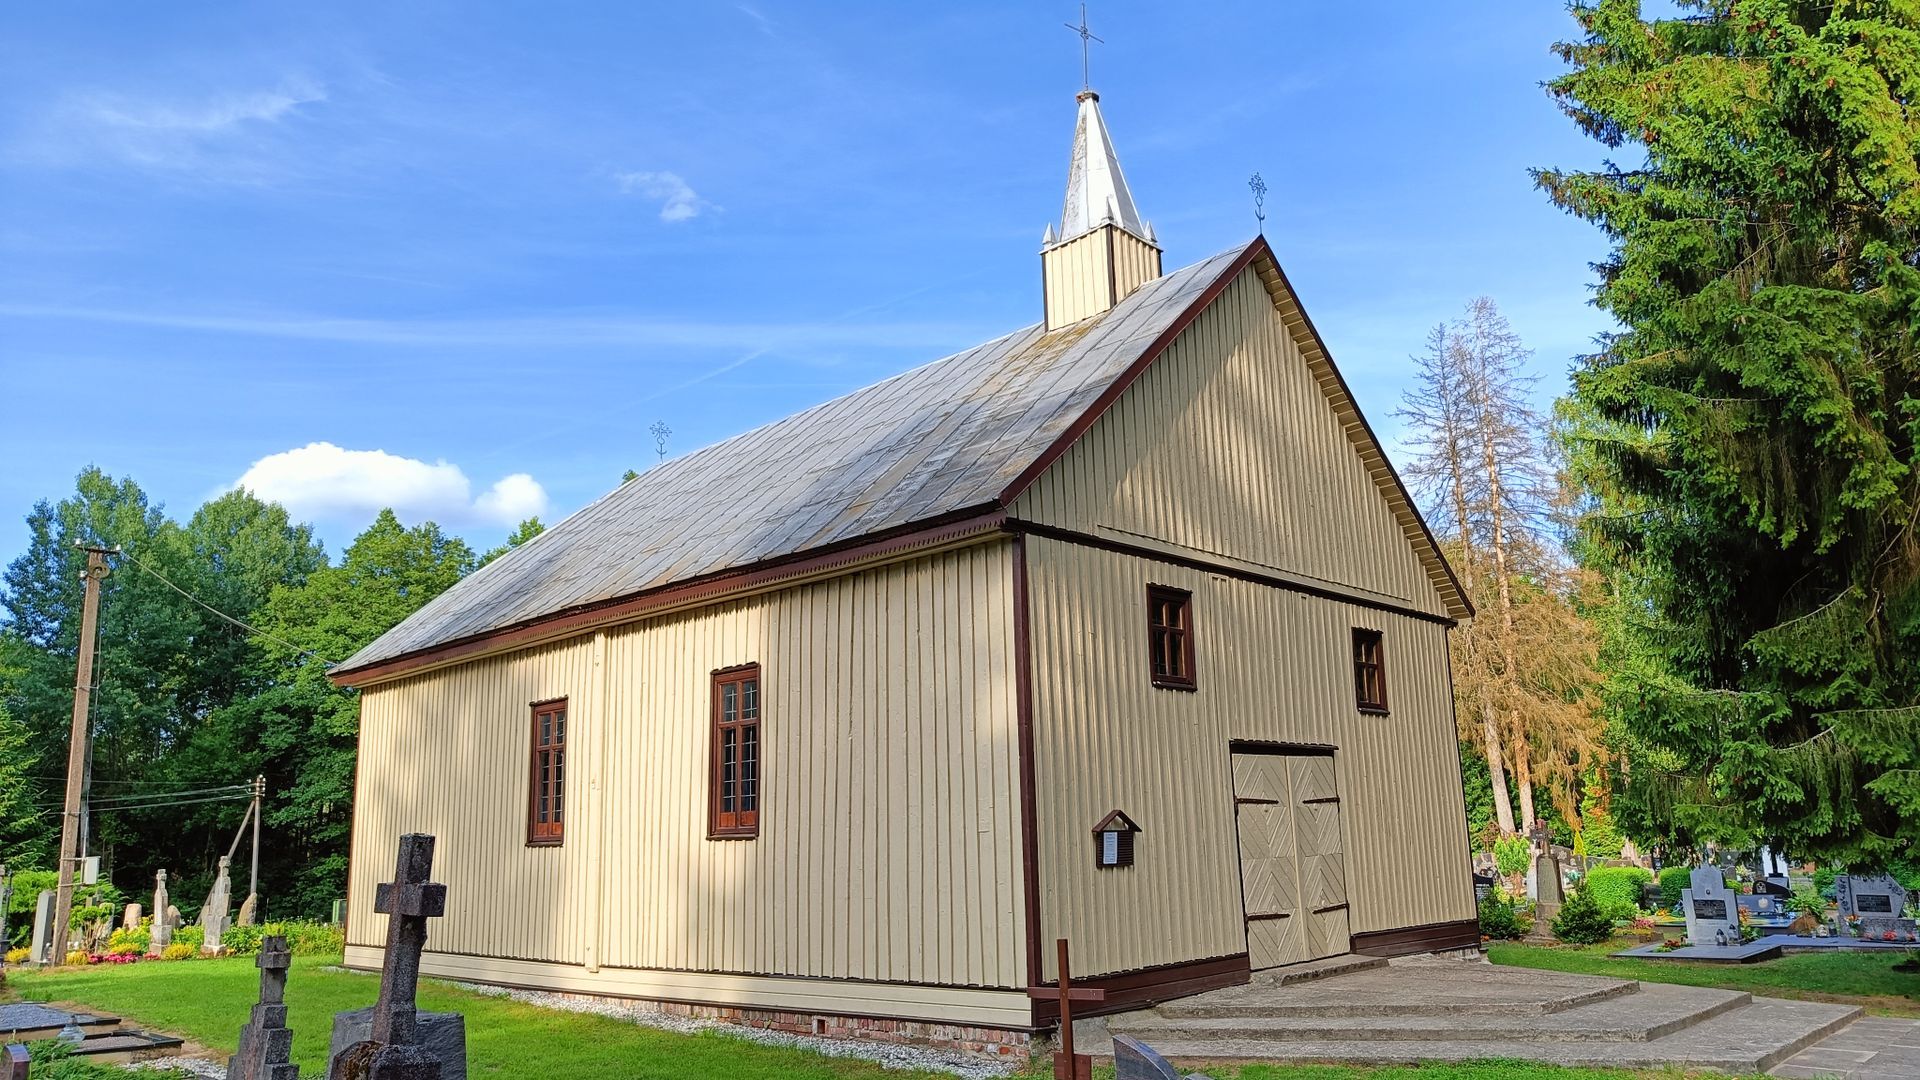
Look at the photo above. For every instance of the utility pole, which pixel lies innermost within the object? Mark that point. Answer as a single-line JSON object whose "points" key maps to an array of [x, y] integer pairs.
{"points": [[79, 753], [253, 875]]}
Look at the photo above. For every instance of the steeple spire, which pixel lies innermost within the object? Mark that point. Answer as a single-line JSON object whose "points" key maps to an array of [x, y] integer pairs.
{"points": [[1104, 250], [1096, 190]]}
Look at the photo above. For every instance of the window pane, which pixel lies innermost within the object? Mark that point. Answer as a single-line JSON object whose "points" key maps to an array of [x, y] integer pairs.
{"points": [[750, 767], [729, 702], [560, 727]]}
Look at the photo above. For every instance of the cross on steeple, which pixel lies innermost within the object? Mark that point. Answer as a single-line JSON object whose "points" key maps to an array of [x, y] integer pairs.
{"points": [[1086, 38]]}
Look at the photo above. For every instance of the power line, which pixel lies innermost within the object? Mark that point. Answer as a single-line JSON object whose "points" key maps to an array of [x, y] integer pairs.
{"points": [[217, 613]]}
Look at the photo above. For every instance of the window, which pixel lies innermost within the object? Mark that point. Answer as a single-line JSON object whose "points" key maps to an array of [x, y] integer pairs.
{"points": [[546, 794], [1369, 671], [736, 753], [1170, 637]]}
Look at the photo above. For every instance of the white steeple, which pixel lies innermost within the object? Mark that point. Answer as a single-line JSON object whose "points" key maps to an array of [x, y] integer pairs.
{"points": [[1103, 250], [1096, 191]]}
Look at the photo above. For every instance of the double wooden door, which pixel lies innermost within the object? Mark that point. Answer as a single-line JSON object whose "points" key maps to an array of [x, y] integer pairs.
{"points": [[1292, 867]]}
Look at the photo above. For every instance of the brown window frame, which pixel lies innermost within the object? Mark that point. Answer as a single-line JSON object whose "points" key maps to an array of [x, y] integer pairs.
{"points": [[740, 822], [1374, 665], [552, 832], [1157, 631]]}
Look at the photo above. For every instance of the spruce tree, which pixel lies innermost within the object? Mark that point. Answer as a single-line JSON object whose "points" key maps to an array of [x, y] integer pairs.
{"points": [[1746, 441]]}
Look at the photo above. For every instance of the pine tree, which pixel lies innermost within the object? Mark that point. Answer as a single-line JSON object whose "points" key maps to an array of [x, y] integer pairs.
{"points": [[1747, 440]]}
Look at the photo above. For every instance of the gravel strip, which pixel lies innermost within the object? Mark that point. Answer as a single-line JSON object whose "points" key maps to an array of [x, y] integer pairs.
{"points": [[198, 1067], [886, 1055]]}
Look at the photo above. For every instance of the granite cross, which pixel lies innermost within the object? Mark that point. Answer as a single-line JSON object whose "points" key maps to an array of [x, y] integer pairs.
{"points": [[266, 1044], [1067, 1065], [408, 901]]}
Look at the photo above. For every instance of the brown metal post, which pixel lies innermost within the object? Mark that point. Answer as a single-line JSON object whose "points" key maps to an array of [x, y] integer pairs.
{"points": [[1067, 1058], [79, 754]]}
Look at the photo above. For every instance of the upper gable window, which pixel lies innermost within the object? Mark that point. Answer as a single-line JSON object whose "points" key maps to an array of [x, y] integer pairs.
{"points": [[546, 795], [1369, 671], [1170, 637], [735, 799]]}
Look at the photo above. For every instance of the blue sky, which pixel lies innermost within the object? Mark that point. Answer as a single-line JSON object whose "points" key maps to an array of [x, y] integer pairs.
{"points": [[493, 243]]}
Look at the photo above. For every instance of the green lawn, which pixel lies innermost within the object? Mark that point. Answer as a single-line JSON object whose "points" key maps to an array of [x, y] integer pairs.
{"points": [[1863, 978], [207, 1001]]}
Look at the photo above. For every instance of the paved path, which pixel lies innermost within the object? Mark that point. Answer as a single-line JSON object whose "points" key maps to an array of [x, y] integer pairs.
{"points": [[1872, 1048]]}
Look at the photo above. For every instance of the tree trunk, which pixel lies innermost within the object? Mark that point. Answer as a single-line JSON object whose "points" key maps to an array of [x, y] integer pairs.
{"points": [[1496, 766]]}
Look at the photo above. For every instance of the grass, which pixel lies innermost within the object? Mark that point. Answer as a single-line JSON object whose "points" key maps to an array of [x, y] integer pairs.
{"points": [[207, 1001], [1860, 978]]}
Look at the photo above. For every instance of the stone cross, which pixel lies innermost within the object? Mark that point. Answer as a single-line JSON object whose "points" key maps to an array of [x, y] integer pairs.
{"points": [[214, 917], [266, 1043], [409, 900], [162, 931]]}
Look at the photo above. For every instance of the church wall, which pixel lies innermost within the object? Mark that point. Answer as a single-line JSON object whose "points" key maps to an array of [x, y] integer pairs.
{"points": [[1227, 448], [1271, 665], [889, 843]]}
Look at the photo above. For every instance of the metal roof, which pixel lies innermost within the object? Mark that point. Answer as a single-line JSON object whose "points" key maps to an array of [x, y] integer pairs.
{"points": [[942, 438]]}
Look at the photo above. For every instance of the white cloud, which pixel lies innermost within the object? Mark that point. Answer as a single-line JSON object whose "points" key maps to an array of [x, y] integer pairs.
{"points": [[227, 135], [678, 200], [324, 481]]}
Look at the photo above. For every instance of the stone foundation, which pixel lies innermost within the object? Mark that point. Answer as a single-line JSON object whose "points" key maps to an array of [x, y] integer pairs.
{"points": [[999, 1044]]}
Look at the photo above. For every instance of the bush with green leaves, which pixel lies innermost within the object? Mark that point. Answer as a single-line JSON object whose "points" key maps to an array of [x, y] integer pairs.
{"points": [[1617, 889], [1675, 880], [1807, 901], [1582, 921], [135, 940], [1512, 855], [303, 938], [190, 935], [1500, 917]]}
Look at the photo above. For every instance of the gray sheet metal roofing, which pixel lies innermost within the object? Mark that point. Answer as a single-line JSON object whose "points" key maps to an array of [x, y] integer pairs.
{"points": [[945, 437]]}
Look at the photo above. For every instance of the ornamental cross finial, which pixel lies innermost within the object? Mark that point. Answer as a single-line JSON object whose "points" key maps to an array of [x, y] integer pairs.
{"points": [[1086, 38], [1259, 189]]}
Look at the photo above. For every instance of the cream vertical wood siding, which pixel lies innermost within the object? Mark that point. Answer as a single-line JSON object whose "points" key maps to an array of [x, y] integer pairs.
{"points": [[889, 843], [1271, 665], [1227, 447], [1094, 271]]}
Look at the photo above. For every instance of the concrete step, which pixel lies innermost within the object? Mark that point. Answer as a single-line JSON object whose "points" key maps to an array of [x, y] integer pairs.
{"points": [[1751, 1038], [1651, 1013], [1441, 989], [125, 1047], [1314, 970]]}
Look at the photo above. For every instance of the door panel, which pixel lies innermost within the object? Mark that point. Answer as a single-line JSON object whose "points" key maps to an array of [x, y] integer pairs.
{"points": [[1292, 867]]}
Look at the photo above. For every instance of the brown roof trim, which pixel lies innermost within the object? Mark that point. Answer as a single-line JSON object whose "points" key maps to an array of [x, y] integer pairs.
{"points": [[1134, 370], [935, 532]]}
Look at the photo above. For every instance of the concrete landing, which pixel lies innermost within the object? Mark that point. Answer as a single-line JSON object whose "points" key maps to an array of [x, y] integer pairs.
{"points": [[1458, 1010], [1876, 1048]]}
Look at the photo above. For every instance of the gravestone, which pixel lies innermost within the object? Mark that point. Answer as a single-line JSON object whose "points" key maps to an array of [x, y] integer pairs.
{"points": [[443, 1034], [43, 927], [13, 1063], [246, 917], [1713, 913], [266, 1044], [214, 915], [163, 917], [1549, 892], [130, 917], [1877, 902], [1135, 1060], [392, 1049]]}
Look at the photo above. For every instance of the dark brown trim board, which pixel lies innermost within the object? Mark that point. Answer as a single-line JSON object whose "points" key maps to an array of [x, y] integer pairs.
{"points": [[1461, 934], [1140, 551], [1023, 711], [1131, 990], [709, 588]]}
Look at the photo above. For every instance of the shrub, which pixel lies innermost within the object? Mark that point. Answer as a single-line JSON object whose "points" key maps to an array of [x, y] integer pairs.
{"points": [[243, 940], [19, 956], [177, 951], [303, 938], [78, 956], [1581, 920], [1512, 855], [1500, 917], [1617, 889], [1807, 901], [134, 941], [1673, 881], [1823, 880], [190, 935]]}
